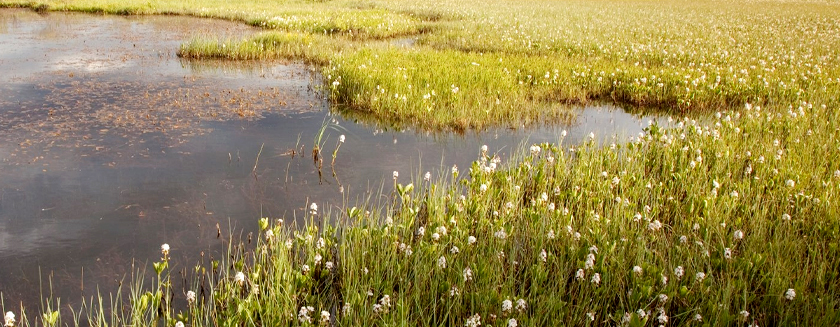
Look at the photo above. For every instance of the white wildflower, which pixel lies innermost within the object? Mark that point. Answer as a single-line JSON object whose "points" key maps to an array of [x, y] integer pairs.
{"points": [[341, 138], [318, 258], [428, 176], [164, 249], [501, 234], [590, 261], [435, 237], [698, 317], [385, 301], [790, 183], [471, 240], [441, 263], [580, 274], [535, 150], [654, 225], [239, 278], [738, 235], [744, 314], [303, 314], [325, 318], [662, 318], [550, 234], [637, 270], [679, 272], [699, 277], [304, 269], [507, 305], [441, 230], [543, 255], [473, 321], [785, 217], [345, 310], [521, 305], [468, 275], [190, 297], [727, 253], [790, 294], [454, 291], [179, 324], [313, 208], [596, 279], [10, 319], [512, 323]]}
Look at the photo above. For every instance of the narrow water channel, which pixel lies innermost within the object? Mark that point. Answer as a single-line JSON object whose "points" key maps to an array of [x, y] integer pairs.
{"points": [[110, 145]]}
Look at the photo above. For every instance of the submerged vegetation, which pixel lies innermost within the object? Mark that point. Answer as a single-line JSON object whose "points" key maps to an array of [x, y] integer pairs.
{"points": [[732, 220]]}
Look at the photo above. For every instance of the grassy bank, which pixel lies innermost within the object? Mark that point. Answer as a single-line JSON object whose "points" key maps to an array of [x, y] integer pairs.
{"points": [[734, 222]]}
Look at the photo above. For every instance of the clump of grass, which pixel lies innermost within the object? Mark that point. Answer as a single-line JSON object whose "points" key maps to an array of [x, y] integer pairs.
{"points": [[267, 45]]}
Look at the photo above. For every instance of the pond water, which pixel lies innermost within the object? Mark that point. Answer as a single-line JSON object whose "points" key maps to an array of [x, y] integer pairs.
{"points": [[110, 145]]}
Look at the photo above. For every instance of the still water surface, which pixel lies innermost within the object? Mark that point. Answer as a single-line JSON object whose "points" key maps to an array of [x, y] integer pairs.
{"points": [[110, 145]]}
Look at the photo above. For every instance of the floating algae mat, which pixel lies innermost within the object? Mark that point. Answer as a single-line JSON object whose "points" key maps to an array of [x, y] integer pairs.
{"points": [[111, 145]]}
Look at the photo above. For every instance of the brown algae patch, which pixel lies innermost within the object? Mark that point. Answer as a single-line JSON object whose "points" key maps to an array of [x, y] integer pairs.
{"points": [[94, 82]]}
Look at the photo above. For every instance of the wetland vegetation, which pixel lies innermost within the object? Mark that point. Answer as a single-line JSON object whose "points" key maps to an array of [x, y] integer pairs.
{"points": [[725, 215]]}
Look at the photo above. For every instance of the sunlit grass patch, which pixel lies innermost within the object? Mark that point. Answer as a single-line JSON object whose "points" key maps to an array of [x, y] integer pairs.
{"points": [[726, 222], [353, 23], [669, 56], [310, 48]]}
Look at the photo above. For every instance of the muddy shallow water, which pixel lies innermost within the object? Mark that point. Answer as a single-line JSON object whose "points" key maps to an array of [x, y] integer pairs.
{"points": [[110, 145]]}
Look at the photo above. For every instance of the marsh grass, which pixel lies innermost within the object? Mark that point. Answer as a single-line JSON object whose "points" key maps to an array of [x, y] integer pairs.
{"points": [[676, 56], [729, 222]]}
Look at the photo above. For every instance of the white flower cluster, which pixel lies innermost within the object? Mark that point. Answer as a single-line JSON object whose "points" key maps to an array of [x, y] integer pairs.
{"points": [[473, 321], [10, 319], [325, 318], [383, 306], [190, 297], [303, 314]]}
